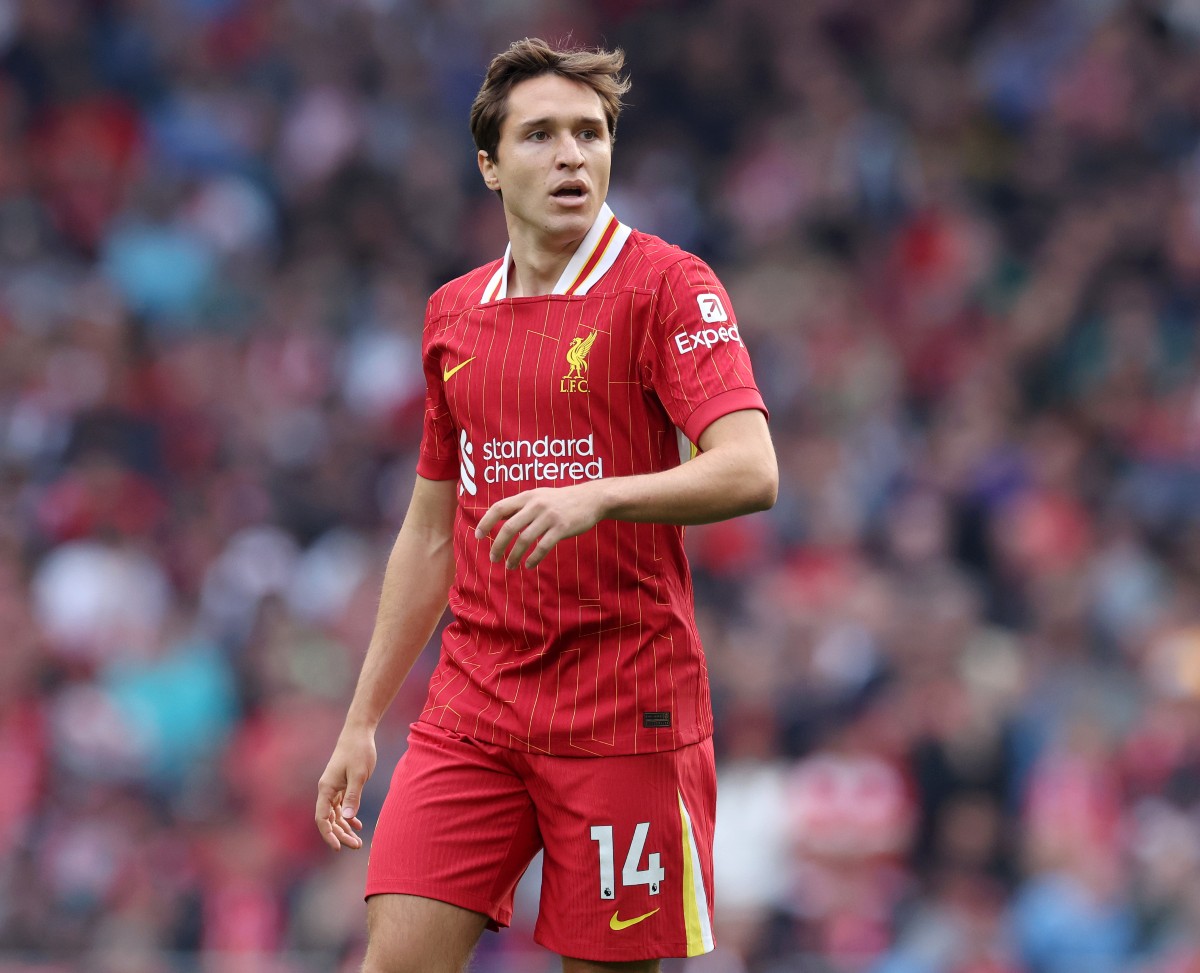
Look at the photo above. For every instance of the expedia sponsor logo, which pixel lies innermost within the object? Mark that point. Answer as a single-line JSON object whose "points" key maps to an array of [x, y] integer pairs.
{"points": [[706, 338], [544, 460], [576, 378], [711, 308]]}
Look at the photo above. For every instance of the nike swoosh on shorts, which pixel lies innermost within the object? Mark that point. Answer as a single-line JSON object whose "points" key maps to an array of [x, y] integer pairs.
{"points": [[616, 924]]}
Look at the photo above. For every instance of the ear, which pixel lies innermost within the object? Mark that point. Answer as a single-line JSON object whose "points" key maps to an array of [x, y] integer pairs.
{"points": [[487, 169]]}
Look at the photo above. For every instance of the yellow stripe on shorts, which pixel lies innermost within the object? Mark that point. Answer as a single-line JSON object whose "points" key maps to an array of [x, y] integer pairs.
{"points": [[695, 900]]}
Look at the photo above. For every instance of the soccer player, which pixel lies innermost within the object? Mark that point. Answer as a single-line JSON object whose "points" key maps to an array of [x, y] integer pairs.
{"points": [[569, 711]]}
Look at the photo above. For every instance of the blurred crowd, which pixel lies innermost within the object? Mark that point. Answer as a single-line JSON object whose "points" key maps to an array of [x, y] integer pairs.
{"points": [[956, 670]]}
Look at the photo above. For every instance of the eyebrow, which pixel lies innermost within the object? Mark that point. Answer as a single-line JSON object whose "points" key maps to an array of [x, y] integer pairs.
{"points": [[590, 121]]}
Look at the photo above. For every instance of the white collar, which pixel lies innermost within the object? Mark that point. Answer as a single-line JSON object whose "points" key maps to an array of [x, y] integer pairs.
{"points": [[597, 252]]}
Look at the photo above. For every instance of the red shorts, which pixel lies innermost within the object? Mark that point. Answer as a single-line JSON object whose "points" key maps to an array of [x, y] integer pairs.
{"points": [[627, 871]]}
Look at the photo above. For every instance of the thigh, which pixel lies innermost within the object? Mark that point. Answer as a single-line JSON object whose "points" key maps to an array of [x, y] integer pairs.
{"points": [[588, 966], [409, 934], [627, 874], [458, 825]]}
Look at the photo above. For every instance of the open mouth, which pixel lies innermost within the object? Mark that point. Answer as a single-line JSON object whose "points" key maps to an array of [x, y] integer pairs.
{"points": [[570, 192]]}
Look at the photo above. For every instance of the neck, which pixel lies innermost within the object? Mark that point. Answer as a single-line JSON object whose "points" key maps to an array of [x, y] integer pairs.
{"points": [[536, 273], [538, 264]]}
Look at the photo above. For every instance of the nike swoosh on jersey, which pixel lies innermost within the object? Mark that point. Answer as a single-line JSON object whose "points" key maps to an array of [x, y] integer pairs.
{"points": [[616, 924], [450, 371]]}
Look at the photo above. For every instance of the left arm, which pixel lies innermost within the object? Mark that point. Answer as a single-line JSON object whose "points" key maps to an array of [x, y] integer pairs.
{"points": [[735, 474]]}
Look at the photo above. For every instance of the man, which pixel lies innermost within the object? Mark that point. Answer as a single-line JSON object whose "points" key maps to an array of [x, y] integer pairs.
{"points": [[569, 709]]}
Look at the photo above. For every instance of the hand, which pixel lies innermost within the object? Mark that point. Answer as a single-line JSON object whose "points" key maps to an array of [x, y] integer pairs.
{"points": [[539, 519], [339, 792]]}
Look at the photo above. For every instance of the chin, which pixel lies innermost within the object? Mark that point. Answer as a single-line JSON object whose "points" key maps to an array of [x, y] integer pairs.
{"points": [[579, 222]]}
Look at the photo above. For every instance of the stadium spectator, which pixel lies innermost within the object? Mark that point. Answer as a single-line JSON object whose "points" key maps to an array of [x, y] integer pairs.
{"points": [[963, 239]]}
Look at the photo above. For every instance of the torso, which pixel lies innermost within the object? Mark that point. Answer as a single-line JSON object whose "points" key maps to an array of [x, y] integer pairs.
{"points": [[595, 651]]}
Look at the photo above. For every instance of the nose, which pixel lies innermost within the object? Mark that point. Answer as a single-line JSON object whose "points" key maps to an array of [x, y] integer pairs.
{"points": [[569, 156]]}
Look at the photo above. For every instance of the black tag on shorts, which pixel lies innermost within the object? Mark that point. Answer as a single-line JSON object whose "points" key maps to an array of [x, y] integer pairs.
{"points": [[656, 721]]}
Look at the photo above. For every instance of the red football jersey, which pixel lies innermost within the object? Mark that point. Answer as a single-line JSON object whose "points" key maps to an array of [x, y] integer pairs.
{"points": [[617, 372]]}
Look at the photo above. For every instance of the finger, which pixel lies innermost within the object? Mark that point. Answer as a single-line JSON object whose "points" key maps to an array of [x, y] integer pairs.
{"points": [[543, 547], [353, 796], [326, 793], [497, 512], [329, 801], [344, 822], [326, 796], [342, 827], [509, 533], [328, 833], [345, 836], [505, 536], [524, 541]]}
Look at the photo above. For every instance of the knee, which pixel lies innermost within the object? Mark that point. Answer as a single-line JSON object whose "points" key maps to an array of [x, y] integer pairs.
{"points": [[410, 934], [589, 966], [412, 960], [375, 963], [379, 960]]}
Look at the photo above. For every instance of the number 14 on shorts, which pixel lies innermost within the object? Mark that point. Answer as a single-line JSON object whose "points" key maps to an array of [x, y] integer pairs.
{"points": [[631, 873]]}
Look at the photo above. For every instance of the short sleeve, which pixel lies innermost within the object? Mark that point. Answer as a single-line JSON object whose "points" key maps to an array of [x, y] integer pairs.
{"points": [[695, 358], [439, 446]]}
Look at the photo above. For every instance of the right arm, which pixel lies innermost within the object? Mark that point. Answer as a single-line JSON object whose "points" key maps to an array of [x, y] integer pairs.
{"points": [[416, 586]]}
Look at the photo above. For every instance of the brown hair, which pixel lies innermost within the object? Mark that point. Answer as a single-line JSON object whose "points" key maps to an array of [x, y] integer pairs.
{"points": [[532, 57]]}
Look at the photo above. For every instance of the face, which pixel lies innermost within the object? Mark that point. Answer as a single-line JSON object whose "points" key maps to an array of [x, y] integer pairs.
{"points": [[553, 160]]}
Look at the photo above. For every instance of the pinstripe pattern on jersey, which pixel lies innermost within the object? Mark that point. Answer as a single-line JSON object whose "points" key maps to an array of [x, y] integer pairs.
{"points": [[564, 659]]}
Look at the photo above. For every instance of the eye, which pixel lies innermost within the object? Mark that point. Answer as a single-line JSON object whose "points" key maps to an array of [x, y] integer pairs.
{"points": [[538, 136], [589, 135]]}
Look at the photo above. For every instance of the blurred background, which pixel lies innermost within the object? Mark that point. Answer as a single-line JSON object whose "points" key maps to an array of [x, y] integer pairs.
{"points": [[956, 669]]}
